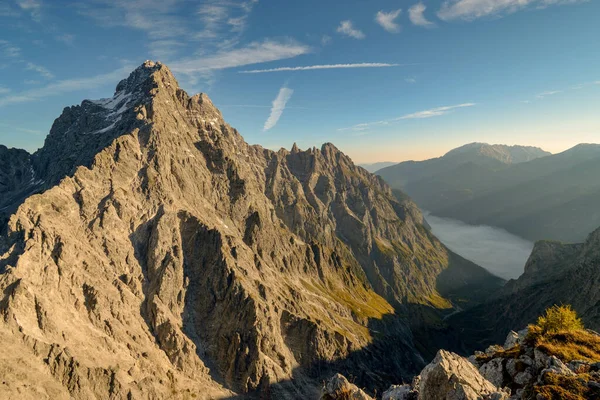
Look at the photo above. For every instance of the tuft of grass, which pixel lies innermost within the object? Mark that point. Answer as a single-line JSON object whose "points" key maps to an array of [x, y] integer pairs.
{"points": [[513, 352], [562, 387], [559, 332], [559, 319], [569, 345]]}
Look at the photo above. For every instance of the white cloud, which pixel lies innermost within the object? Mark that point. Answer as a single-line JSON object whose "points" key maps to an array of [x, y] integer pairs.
{"points": [[278, 106], [347, 29], [33, 7], [469, 10], [324, 66], [223, 21], [43, 71], [254, 53], [548, 93], [417, 16], [410, 80], [66, 86], [4, 90], [325, 40], [434, 112], [164, 49], [386, 20]]}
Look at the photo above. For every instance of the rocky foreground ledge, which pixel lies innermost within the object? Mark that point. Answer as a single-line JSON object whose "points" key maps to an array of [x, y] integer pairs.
{"points": [[558, 366]]}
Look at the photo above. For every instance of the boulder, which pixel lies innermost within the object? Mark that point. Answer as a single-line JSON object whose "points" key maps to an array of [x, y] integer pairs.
{"points": [[512, 340], [493, 371], [452, 377], [540, 359], [339, 388], [556, 366], [400, 392]]}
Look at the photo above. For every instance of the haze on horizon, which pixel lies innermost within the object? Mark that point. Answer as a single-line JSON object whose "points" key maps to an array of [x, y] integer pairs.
{"points": [[383, 82]]}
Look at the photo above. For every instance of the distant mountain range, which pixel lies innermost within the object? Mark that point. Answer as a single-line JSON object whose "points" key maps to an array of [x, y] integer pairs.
{"points": [[373, 167], [524, 190]]}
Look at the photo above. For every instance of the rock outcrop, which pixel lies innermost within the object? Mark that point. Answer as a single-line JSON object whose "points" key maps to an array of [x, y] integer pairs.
{"points": [[167, 258], [524, 368]]}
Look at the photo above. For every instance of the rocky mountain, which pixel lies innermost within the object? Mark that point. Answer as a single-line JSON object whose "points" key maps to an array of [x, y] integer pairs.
{"points": [[164, 257], [551, 197], [17, 181], [555, 273]]}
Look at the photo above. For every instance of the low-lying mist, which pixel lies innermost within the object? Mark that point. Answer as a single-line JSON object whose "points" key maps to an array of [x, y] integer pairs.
{"points": [[498, 251]]}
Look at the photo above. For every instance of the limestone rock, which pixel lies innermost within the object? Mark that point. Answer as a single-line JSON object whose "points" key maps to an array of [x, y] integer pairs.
{"points": [[493, 371], [338, 388], [166, 257], [451, 377], [400, 392]]}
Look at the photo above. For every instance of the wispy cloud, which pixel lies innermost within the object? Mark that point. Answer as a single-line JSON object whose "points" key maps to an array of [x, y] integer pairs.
{"points": [[223, 22], [6, 10], [433, 112], [212, 26], [33, 7], [66, 38], [410, 80], [254, 53], [387, 20], [278, 106], [346, 28], [66, 86], [19, 129], [416, 14], [157, 18], [43, 71], [9, 50], [470, 10], [325, 40], [548, 93], [323, 66], [4, 90]]}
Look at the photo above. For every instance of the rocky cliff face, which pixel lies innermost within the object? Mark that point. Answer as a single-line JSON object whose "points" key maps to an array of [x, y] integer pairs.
{"points": [[17, 181], [168, 258]]}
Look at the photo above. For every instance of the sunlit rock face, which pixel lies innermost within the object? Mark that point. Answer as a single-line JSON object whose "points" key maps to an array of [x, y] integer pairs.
{"points": [[167, 258]]}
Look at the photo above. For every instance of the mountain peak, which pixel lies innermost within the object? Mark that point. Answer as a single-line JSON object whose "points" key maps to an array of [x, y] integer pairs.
{"points": [[146, 73], [506, 154]]}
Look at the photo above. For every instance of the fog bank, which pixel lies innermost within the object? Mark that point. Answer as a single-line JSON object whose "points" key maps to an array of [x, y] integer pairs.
{"points": [[498, 251]]}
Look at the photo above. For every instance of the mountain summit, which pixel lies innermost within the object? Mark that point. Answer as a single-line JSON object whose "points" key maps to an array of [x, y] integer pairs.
{"points": [[166, 257]]}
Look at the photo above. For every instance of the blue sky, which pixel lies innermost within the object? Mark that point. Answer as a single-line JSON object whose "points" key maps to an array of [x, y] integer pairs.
{"points": [[382, 79]]}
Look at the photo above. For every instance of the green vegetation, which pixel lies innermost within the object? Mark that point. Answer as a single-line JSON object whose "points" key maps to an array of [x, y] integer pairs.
{"points": [[559, 319], [560, 332]]}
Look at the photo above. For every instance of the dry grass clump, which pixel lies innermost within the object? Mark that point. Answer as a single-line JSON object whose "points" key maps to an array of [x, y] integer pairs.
{"points": [[561, 387], [560, 333], [513, 352]]}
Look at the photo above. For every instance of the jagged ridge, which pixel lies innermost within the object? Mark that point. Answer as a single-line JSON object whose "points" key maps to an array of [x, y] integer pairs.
{"points": [[175, 259]]}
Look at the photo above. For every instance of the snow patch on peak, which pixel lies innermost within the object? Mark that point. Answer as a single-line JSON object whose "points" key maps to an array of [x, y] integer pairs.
{"points": [[113, 102]]}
